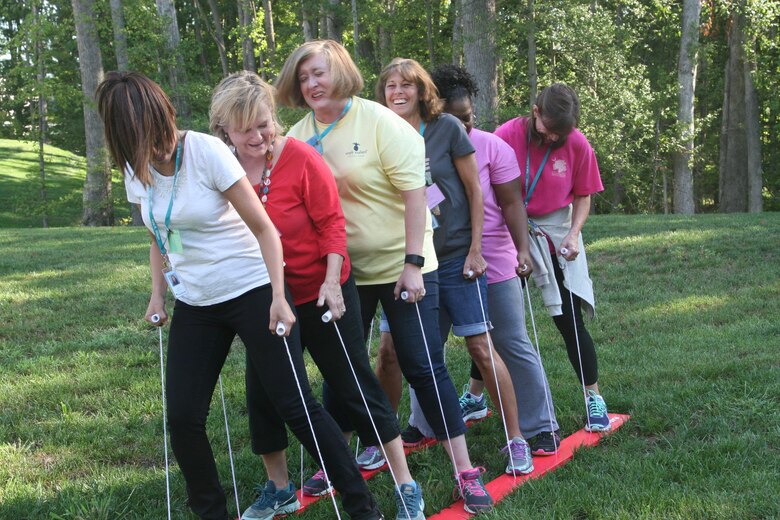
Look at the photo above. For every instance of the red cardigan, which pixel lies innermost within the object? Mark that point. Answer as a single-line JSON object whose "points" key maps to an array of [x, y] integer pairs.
{"points": [[303, 203]]}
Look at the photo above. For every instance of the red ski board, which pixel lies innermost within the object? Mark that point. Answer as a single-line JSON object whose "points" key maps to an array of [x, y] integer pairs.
{"points": [[502, 486], [307, 501]]}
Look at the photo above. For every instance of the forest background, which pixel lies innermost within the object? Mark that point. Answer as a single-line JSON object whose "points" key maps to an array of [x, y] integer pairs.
{"points": [[679, 98]]}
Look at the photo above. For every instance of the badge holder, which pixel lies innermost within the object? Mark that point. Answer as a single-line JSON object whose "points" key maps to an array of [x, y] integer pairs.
{"points": [[173, 280]]}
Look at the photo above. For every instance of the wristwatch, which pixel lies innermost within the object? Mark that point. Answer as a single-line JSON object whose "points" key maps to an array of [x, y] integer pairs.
{"points": [[417, 260]]}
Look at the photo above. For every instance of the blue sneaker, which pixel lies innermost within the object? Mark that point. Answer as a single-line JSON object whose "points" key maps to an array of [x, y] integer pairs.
{"points": [[598, 419], [371, 458], [520, 460], [471, 488], [471, 406], [272, 502], [409, 502]]}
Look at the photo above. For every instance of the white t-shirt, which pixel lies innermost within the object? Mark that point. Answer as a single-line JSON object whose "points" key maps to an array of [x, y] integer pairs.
{"points": [[220, 257]]}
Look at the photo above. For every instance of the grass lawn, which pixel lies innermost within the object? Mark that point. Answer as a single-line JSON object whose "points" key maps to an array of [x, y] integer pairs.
{"points": [[687, 332], [20, 203]]}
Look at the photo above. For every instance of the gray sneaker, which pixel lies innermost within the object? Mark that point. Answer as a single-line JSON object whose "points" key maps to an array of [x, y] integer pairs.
{"points": [[520, 460], [272, 502], [371, 458]]}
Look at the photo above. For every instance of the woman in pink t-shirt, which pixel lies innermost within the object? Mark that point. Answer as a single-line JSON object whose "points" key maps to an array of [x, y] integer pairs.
{"points": [[559, 175]]}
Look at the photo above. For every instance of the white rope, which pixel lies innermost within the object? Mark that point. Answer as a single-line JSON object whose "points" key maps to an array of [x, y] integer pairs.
{"points": [[404, 296], [280, 330], [576, 338], [328, 317], [370, 337], [156, 319], [230, 449], [493, 366], [547, 398]]}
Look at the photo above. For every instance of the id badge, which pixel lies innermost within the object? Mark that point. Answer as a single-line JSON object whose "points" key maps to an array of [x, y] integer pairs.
{"points": [[174, 241], [174, 282]]}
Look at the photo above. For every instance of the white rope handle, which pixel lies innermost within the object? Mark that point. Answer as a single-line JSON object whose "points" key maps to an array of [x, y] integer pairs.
{"points": [[547, 398], [156, 319], [308, 418], [576, 339], [328, 318], [405, 296], [495, 374], [230, 449]]}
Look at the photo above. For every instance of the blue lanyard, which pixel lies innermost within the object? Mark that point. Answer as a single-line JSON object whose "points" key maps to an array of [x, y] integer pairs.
{"points": [[528, 191], [422, 127], [316, 139], [149, 191]]}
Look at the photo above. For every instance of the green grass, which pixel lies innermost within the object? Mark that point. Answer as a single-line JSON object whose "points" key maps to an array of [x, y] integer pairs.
{"points": [[20, 202], [687, 332]]}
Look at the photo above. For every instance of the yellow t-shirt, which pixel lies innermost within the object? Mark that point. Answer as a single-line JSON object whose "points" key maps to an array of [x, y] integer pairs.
{"points": [[374, 155]]}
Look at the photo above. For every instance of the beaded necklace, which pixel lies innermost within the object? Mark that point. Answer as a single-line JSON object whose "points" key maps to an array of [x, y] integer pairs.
{"points": [[265, 180]]}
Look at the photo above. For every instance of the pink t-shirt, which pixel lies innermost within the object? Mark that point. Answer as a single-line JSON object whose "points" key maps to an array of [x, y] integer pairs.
{"points": [[570, 170], [497, 165]]}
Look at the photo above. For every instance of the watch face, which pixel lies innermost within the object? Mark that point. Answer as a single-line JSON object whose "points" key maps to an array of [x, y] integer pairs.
{"points": [[417, 260]]}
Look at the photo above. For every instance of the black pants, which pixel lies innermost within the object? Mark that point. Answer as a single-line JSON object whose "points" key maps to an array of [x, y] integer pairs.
{"points": [[566, 324], [341, 394], [200, 338]]}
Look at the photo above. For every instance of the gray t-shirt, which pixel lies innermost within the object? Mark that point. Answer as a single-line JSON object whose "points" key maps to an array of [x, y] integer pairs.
{"points": [[446, 139]]}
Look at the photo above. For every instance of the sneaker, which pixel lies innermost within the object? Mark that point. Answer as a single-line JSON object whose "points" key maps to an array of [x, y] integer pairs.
{"points": [[409, 502], [545, 443], [598, 419], [472, 407], [520, 460], [472, 490], [317, 485], [412, 437], [371, 458], [271, 502]]}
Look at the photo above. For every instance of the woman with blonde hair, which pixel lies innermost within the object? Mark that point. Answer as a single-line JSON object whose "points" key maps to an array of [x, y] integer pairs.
{"points": [[212, 234], [298, 191], [378, 161]]}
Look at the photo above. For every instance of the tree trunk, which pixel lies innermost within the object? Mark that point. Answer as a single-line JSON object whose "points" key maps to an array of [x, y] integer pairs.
{"points": [[217, 35], [429, 32], [308, 26], [120, 35], [41, 115], [246, 13], [356, 50], [686, 79], [175, 63], [734, 148], [755, 174], [270, 34], [98, 207], [457, 32], [333, 23], [479, 44], [386, 33], [204, 62], [533, 77]]}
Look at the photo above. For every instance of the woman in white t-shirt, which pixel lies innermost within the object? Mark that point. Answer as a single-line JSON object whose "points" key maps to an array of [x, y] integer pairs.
{"points": [[217, 250]]}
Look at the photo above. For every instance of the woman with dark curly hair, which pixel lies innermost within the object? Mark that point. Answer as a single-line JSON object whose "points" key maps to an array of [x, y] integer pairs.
{"points": [[505, 245]]}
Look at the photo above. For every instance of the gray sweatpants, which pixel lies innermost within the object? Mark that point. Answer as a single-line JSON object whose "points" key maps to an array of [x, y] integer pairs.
{"points": [[510, 339]]}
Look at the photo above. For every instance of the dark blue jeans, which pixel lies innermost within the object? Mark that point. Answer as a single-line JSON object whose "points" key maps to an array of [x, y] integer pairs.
{"points": [[410, 346]]}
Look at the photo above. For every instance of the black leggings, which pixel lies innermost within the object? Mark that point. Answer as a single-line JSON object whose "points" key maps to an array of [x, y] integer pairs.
{"points": [[199, 341], [566, 326]]}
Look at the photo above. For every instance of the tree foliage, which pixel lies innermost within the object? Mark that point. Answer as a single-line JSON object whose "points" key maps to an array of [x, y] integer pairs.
{"points": [[620, 55]]}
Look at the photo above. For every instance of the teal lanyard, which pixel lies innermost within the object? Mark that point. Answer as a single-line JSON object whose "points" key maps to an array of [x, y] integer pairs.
{"points": [[316, 139], [528, 191], [422, 127], [155, 228]]}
